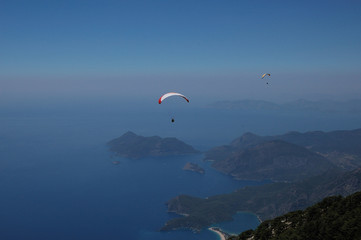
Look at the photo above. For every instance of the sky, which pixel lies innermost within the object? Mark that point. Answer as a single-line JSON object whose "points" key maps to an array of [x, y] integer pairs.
{"points": [[206, 49]]}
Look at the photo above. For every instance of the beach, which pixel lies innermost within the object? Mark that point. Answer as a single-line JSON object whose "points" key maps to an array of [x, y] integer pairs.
{"points": [[222, 235]]}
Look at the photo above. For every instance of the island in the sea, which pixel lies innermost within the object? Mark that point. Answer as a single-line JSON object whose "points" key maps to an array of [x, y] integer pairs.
{"points": [[193, 167], [133, 146]]}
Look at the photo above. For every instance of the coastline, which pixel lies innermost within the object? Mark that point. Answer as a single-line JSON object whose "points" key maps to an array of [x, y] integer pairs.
{"points": [[222, 235], [259, 219]]}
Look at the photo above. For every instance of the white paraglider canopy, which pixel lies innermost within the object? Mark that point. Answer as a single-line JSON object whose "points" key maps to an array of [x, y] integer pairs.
{"points": [[171, 94]]}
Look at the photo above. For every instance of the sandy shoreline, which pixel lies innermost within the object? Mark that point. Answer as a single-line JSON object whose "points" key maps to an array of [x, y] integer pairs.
{"points": [[259, 219], [220, 233]]}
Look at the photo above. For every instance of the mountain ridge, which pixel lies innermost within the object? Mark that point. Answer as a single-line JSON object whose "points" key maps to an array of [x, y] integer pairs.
{"points": [[342, 148], [276, 159]]}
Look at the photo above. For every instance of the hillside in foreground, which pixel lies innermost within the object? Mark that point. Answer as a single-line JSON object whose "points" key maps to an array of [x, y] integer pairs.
{"points": [[332, 218]]}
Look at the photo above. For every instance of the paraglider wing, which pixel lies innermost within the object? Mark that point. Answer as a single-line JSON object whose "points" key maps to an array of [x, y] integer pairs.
{"points": [[161, 99], [266, 74]]}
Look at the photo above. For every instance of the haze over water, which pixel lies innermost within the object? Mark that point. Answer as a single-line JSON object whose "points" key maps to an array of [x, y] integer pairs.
{"points": [[58, 182]]}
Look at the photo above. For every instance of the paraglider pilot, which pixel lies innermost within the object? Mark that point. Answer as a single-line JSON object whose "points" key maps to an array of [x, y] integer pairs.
{"points": [[170, 94]]}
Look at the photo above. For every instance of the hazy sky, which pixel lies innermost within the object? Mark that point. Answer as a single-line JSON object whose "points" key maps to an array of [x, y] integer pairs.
{"points": [[202, 48]]}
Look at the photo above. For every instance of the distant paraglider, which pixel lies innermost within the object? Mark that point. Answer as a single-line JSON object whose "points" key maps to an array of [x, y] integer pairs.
{"points": [[171, 94], [264, 75]]}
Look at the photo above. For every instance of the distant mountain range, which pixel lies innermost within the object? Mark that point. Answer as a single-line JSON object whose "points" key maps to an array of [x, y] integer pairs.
{"points": [[308, 167], [133, 146], [351, 106]]}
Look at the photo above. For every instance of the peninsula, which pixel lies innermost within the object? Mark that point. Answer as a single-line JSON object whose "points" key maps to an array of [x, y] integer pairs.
{"points": [[133, 146], [223, 235], [289, 157]]}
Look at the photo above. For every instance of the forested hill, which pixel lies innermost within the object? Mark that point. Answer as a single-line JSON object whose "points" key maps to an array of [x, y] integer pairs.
{"points": [[343, 141], [277, 160], [333, 218], [288, 157], [133, 146]]}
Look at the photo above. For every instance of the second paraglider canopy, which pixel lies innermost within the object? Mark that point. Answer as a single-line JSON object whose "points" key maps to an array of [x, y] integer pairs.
{"points": [[266, 76]]}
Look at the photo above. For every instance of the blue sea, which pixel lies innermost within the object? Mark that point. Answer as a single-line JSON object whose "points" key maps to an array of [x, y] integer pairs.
{"points": [[58, 180]]}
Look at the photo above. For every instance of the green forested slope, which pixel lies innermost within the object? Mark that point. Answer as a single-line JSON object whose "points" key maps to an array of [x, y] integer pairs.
{"points": [[333, 218]]}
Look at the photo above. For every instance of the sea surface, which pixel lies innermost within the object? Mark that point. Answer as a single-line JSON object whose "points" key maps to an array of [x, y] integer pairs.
{"points": [[58, 180]]}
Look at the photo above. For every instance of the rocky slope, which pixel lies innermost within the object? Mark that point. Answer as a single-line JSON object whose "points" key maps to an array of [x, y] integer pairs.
{"points": [[332, 218]]}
